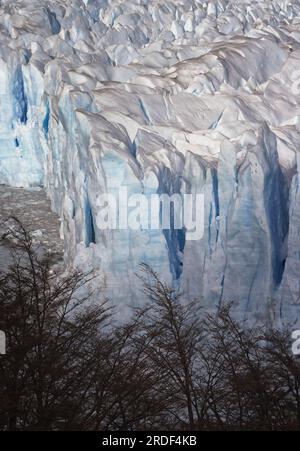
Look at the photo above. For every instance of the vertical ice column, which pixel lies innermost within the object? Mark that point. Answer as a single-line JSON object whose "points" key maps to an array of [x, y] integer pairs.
{"points": [[20, 151], [289, 293]]}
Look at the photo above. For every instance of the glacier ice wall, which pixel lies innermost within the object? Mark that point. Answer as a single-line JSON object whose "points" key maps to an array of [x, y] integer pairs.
{"points": [[163, 96]]}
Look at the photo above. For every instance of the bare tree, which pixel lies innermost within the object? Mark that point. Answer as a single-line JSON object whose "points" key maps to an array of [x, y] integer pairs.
{"points": [[170, 334], [51, 331], [131, 395], [285, 379]]}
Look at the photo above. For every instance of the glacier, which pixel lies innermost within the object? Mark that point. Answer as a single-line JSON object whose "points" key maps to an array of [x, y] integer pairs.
{"points": [[163, 97]]}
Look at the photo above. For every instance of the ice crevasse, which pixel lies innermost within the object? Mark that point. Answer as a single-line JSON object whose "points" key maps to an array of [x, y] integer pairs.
{"points": [[163, 97]]}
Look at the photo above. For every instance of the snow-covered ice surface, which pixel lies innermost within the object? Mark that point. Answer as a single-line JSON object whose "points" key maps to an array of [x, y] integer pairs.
{"points": [[163, 96]]}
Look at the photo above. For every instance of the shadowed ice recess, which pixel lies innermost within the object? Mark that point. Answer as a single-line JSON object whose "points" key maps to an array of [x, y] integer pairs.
{"points": [[163, 97]]}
